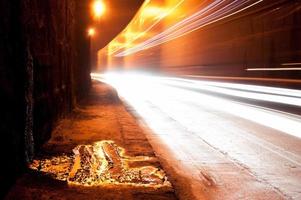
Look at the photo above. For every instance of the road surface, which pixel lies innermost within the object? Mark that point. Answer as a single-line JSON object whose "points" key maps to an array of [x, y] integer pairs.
{"points": [[218, 140]]}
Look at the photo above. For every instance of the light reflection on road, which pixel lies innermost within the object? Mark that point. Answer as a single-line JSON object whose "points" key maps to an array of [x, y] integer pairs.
{"points": [[213, 128], [137, 88]]}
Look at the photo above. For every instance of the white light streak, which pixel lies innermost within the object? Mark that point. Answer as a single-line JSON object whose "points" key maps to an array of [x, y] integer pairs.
{"points": [[289, 64], [137, 88], [158, 18], [275, 69], [214, 12]]}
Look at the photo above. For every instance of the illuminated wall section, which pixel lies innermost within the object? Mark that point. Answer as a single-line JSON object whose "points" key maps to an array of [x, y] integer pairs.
{"points": [[245, 38]]}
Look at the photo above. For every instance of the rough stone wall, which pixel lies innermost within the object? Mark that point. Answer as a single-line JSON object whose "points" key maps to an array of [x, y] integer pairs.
{"points": [[44, 69], [82, 73], [49, 32]]}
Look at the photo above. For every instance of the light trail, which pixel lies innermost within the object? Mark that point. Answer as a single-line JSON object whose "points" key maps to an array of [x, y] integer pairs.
{"points": [[134, 87], [196, 128], [275, 69], [249, 79], [289, 64], [158, 19], [262, 93], [214, 12]]}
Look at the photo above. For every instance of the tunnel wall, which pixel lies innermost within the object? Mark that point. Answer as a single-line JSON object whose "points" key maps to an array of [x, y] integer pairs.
{"points": [[44, 65], [60, 57], [263, 36], [266, 36]]}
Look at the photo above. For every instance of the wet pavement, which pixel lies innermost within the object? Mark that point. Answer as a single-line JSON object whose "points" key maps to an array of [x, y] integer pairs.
{"points": [[98, 152]]}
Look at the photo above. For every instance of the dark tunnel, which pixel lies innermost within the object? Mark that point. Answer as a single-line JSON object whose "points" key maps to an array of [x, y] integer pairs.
{"points": [[44, 71], [154, 99]]}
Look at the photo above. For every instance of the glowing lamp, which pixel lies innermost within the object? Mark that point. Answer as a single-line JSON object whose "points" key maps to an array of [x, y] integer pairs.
{"points": [[98, 8], [91, 32]]}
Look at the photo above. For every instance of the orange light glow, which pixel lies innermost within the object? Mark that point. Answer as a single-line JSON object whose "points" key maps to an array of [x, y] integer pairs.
{"points": [[102, 163], [98, 8], [91, 32], [143, 27], [154, 11]]}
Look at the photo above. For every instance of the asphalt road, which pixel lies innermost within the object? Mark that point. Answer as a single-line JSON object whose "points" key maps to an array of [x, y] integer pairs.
{"points": [[217, 140]]}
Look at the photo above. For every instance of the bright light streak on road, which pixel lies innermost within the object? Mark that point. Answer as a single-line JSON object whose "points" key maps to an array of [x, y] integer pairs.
{"points": [[270, 94], [214, 128], [134, 87]]}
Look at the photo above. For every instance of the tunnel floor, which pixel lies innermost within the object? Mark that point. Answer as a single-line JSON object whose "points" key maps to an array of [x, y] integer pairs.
{"points": [[98, 152]]}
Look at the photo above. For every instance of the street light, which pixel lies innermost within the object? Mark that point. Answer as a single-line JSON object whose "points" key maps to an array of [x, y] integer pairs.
{"points": [[98, 8], [91, 32]]}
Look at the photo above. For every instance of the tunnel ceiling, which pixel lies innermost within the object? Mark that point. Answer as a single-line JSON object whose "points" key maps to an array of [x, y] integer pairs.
{"points": [[118, 14]]}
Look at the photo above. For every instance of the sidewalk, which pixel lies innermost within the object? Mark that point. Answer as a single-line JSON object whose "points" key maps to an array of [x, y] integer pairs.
{"points": [[99, 152]]}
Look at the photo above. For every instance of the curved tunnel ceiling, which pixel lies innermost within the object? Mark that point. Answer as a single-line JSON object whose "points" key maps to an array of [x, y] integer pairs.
{"points": [[118, 14]]}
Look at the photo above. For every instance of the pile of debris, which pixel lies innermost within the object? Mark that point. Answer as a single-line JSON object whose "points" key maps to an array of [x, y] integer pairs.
{"points": [[102, 163]]}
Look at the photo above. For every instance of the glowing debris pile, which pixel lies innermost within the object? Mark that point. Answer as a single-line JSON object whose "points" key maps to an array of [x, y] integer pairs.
{"points": [[102, 163], [57, 167]]}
